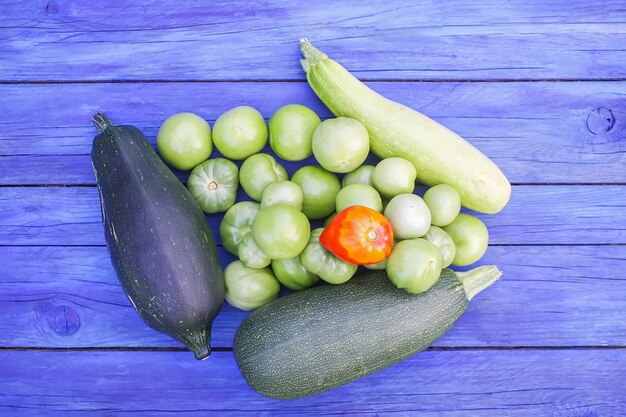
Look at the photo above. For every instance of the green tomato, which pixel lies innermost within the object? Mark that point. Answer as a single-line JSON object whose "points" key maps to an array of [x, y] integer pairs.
{"points": [[361, 175], [291, 131], [282, 192], [470, 238], [319, 189], [184, 140], [240, 132], [444, 203], [319, 261], [213, 184], [341, 144], [329, 219], [250, 254], [444, 243], [377, 266], [409, 216], [414, 265], [259, 171], [292, 274], [358, 195], [237, 222], [249, 288], [393, 176], [281, 231]]}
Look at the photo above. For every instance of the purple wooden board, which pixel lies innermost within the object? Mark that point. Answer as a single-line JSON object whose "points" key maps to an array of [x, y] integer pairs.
{"points": [[208, 40], [434, 383], [548, 296], [541, 132], [66, 295], [551, 214]]}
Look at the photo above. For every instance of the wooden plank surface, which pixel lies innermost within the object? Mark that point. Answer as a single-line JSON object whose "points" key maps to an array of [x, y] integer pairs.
{"points": [[547, 340], [233, 40], [540, 132], [548, 296], [583, 214], [434, 383]]}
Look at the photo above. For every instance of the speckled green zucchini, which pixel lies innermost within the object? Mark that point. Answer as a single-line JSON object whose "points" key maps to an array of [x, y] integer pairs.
{"points": [[160, 243], [324, 337]]}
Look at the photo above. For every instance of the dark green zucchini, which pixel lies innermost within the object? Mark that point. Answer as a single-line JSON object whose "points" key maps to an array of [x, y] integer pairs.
{"points": [[160, 243], [324, 337]]}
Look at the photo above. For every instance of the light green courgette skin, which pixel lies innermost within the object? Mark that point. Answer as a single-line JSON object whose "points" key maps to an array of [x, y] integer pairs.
{"points": [[439, 155], [324, 337]]}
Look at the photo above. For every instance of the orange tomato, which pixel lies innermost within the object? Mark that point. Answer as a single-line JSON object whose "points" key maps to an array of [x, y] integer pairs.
{"points": [[358, 235]]}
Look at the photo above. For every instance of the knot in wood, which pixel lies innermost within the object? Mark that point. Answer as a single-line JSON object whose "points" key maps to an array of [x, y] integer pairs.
{"points": [[52, 7], [62, 320], [600, 120]]}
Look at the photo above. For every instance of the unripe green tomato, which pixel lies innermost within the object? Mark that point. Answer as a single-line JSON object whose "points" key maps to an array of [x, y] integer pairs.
{"points": [[282, 192], [409, 216], [470, 238], [240, 132], [444, 243], [291, 132], [341, 144], [361, 175], [292, 274], [250, 254], [249, 288], [213, 184], [319, 261], [319, 189], [358, 195], [377, 266], [281, 231], [184, 140], [259, 171], [414, 265], [329, 219], [237, 222], [394, 176], [444, 203]]}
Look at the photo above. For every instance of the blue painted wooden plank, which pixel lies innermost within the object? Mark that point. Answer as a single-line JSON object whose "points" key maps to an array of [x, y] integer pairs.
{"points": [[548, 296], [434, 383], [553, 214], [537, 132], [538, 39]]}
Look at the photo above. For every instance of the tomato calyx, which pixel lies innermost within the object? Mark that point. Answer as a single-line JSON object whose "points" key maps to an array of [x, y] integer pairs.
{"points": [[358, 235]]}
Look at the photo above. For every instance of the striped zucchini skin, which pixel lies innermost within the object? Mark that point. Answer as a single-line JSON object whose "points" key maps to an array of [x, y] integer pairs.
{"points": [[440, 156], [161, 246], [324, 337]]}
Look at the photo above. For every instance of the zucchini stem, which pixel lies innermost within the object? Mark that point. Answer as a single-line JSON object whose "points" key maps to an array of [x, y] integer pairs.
{"points": [[312, 55], [477, 279], [101, 121]]}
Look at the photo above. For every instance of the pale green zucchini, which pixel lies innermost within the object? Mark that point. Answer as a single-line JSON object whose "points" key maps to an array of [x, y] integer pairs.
{"points": [[439, 155]]}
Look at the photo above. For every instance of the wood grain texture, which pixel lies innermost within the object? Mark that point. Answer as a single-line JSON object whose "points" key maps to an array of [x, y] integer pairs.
{"points": [[536, 132], [231, 40], [433, 383], [552, 214], [548, 296]]}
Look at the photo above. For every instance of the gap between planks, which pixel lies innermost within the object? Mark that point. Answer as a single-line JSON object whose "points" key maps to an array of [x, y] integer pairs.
{"points": [[230, 349], [299, 80], [516, 184]]}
